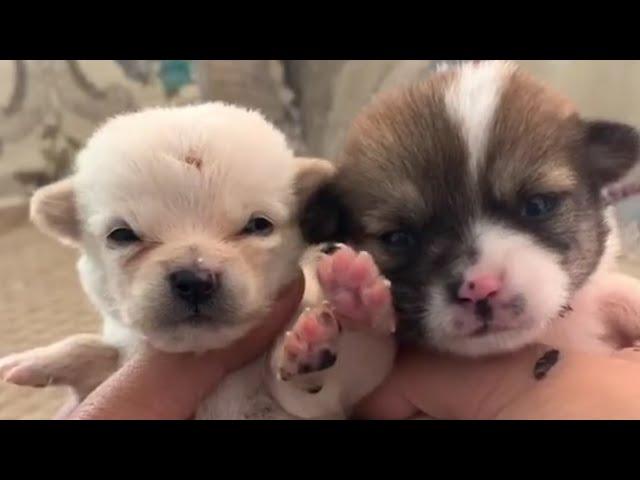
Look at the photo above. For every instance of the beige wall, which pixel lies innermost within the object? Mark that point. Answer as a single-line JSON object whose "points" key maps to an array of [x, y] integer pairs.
{"points": [[600, 88]]}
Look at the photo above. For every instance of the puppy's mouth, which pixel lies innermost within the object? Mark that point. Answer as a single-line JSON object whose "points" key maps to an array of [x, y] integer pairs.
{"points": [[198, 319], [476, 326], [490, 316], [488, 329]]}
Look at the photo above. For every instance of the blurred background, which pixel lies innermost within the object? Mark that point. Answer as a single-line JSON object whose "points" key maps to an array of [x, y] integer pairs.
{"points": [[49, 107]]}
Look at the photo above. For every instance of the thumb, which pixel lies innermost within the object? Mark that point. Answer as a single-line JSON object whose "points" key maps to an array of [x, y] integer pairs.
{"points": [[260, 338]]}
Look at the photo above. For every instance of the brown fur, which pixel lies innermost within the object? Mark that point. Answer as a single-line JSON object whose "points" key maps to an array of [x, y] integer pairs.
{"points": [[406, 167], [534, 135]]}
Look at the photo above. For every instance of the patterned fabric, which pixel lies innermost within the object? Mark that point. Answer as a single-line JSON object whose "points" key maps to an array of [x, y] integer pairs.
{"points": [[49, 107], [175, 74]]}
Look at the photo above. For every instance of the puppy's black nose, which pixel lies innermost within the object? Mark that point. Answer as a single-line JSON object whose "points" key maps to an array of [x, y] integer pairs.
{"points": [[193, 286]]}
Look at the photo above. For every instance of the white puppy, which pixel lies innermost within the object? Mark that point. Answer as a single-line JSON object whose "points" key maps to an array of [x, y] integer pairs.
{"points": [[187, 223]]}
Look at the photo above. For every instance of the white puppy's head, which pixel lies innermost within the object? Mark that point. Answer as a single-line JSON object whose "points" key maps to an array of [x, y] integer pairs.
{"points": [[189, 215]]}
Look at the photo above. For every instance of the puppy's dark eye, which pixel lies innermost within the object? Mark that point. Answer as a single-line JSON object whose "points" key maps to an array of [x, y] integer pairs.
{"points": [[258, 226], [539, 206], [123, 236], [398, 239]]}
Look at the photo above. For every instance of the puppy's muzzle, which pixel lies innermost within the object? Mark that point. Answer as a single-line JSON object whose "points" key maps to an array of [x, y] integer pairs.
{"points": [[194, 287]]}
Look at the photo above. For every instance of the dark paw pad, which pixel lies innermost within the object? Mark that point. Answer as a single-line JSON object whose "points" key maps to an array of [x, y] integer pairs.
{"points": [[330, 248], [327, 359], [323, 360]]}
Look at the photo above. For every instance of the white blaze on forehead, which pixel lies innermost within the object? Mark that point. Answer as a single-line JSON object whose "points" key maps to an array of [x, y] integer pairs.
{"points": [[472, 100]]}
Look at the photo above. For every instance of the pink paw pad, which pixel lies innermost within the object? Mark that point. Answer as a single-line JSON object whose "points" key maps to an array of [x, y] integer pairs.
{"points": [[310, 346], [359, 294]]}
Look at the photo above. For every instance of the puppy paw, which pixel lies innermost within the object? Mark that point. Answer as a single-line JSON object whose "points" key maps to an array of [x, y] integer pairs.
{"points": [[81, 362], [359, 295], [310, 346], [357, 298], [28, 368]]}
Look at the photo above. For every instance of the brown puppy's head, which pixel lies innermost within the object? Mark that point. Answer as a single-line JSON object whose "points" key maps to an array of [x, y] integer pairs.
{"points": [[478, 194], [187, 219]]}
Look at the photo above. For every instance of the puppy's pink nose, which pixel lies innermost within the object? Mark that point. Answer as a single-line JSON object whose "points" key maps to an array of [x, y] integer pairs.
{"points": [[480, 287]]}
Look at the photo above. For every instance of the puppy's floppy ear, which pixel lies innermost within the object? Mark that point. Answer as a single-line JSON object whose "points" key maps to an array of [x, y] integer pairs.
{"points": [[310, 175], [318, 220], [322, 215], [53, 210], [612, 150], [325, 217]]}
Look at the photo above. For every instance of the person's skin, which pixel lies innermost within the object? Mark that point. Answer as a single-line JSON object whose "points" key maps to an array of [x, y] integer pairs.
{"points": [[155, 385], [162, 386], [578, 386]]}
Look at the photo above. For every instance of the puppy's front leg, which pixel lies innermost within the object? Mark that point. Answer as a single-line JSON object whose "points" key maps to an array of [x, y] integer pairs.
{"points": [[357, 299], [81, 362]]}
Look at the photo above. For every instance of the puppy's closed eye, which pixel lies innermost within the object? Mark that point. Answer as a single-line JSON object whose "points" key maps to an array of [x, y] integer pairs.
{"points": [[539, 206], [398, 240], [258, 225], [122, 236]]}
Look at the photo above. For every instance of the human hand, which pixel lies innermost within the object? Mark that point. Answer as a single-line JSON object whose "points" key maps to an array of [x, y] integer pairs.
{"points": [[158, 385], [576, 386]]}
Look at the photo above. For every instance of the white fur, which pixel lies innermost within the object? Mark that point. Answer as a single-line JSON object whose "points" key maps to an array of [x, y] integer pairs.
{"points": [[607, 303], [143, 153], [187, 180], [526, 268], [133, 170], [472, 100]]}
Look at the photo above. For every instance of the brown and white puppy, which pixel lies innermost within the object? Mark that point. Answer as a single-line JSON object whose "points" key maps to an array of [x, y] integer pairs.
{"points": [[478, 193], [187, 223]]}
